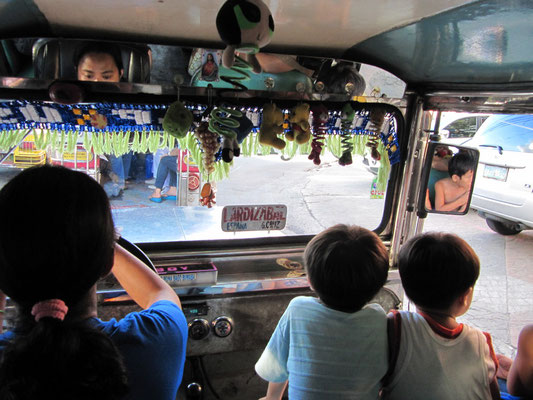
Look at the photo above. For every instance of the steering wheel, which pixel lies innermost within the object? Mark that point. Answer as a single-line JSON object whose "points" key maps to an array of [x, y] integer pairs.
{"points": [[137, 252]]}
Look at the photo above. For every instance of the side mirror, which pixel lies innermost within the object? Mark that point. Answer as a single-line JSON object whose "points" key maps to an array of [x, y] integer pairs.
{"points": [[447, 179]]}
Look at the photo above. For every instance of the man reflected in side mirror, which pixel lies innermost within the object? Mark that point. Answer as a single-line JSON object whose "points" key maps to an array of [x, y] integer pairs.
{"points": [[452, 193]]}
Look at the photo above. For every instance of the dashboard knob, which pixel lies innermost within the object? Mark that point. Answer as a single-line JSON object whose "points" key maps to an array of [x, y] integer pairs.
{"points": [[222, 326], [198, 329], [194, 391]]}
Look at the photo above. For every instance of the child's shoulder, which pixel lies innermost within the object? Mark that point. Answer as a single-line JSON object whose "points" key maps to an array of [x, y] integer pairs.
{"points": [[443, 182], [304, 301]]}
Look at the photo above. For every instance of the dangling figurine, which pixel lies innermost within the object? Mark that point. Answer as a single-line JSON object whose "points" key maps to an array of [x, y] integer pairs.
{"points": [[207, 195], [244, 26], [347, 116], [320, 119], [377, 117]]}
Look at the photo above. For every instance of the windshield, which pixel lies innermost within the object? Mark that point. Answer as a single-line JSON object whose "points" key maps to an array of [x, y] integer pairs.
{"points": [[171, 174]]}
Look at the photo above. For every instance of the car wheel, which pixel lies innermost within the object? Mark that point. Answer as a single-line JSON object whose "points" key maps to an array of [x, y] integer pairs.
{"points": [[502, 228]]}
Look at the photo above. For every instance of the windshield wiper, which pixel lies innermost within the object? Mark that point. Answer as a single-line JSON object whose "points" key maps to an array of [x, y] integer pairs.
{"points": [[498, 147]]}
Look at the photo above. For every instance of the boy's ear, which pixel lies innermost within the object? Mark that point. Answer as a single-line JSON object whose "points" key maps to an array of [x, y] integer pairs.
{"points": [[464, 298], [455, 178]]}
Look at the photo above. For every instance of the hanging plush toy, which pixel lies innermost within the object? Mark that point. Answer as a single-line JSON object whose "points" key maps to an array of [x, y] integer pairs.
{"points": [[244, 26], [271, 126], [177, 120], [300, 130]]}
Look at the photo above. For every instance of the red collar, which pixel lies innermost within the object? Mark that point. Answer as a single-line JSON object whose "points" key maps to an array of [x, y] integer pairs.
{"points": [[440, 329]]}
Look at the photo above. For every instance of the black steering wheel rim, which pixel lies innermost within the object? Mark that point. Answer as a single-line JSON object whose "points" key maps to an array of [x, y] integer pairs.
{"points": [[136, 251]]}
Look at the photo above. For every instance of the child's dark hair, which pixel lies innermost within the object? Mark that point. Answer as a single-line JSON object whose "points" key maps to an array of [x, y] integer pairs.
{"points": [[437, 268], [100, 48], [460, 164], [346, 266], [56, 247]]}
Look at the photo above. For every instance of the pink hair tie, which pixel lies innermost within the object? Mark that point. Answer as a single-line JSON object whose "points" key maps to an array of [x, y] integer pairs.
{"points": [[53, 308]]}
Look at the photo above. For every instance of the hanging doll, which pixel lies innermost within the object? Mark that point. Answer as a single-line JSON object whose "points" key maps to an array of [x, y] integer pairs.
{"points": [[244, 26]]}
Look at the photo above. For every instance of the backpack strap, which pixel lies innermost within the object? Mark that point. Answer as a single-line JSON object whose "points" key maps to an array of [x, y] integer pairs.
{"points": [[394, 333]]}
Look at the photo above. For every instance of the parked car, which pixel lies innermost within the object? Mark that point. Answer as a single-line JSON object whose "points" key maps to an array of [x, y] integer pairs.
{"points": [[504, 181], [457, 128]]}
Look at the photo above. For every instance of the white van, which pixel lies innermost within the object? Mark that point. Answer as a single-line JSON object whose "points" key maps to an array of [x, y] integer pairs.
{"points": [[503, 189]]}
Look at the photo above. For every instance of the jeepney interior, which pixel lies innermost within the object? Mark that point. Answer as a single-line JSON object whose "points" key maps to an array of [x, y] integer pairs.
{"points": [[458, 55]]}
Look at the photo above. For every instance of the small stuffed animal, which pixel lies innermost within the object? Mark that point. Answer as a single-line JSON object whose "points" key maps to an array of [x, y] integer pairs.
{"points": [[271, 126], [244, 26], [300, 129], [177, 120]]}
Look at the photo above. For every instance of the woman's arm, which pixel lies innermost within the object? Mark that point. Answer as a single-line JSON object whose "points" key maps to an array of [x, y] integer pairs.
{"points": [[143, 285], [275, 390], [520, 378]]}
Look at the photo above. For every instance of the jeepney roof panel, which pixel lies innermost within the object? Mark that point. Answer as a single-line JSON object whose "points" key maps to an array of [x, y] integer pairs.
{"points": [[422, 42]]}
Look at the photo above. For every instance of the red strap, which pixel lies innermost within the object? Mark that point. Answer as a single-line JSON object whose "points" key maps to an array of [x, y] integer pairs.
{"points": [[394, 335], [491, 349]]}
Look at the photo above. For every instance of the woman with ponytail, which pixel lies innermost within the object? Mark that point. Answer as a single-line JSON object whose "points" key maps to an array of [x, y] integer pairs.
{"points": [[52, 252]]}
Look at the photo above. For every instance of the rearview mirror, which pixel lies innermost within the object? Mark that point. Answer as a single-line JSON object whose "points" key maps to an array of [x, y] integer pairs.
{"points": [[448, 179]]}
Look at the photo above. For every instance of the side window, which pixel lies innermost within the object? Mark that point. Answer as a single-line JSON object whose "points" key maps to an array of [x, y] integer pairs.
{"points": [[463, 128]]}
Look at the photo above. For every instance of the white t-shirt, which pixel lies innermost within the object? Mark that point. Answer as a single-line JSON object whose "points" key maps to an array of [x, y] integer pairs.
{"points": [[434, 367], [327, 354]]}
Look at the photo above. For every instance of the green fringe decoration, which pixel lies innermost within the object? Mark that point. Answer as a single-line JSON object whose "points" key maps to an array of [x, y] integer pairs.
{"points": [[290, 149], [305, 148], [264, 150], [333, 144], [359, 144], [118, 143], [384, 168]]}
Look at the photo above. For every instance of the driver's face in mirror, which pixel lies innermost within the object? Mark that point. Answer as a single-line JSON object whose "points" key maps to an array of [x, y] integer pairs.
{"points": [[98, 67], [450, 179]]}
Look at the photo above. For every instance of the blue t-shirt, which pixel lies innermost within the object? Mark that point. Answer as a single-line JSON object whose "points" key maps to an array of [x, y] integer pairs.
{"points": [[152, 343], [327, 354]]}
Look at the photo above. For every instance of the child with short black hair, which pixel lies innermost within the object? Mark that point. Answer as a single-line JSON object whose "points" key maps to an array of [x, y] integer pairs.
{"points": [[439, 358], [333, 346], [451, 194]]}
